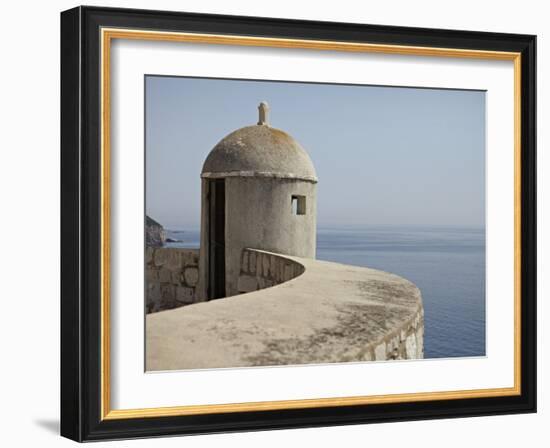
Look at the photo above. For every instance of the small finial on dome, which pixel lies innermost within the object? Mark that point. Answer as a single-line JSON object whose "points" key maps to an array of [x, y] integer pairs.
{"points": [[263, 109]]}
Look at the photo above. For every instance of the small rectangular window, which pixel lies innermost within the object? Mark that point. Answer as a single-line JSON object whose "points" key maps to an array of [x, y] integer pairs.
{"points": [[298, 205]]}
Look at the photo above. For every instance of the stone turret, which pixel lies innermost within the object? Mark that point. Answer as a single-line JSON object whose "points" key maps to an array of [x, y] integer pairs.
{"points": [[259, 191]]}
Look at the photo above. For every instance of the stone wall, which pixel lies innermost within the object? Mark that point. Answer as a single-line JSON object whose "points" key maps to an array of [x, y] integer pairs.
{"points": [[171, 277], [261, 270], [405, 342], [388, 325], [330, 313]]}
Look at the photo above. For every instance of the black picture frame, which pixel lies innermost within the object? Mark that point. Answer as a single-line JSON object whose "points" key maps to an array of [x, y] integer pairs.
{"points": [[81, 224]]}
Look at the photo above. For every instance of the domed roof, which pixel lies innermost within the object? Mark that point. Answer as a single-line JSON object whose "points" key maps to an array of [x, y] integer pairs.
{"points": [[260, 151]]}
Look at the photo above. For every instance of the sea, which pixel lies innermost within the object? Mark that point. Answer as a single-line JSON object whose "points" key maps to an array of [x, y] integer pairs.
{"points": [[446, 263]]}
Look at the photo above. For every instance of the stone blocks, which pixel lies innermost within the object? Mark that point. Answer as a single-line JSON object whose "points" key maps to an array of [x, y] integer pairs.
{"points": [[172, 275], [261, 270], [191, 276]]}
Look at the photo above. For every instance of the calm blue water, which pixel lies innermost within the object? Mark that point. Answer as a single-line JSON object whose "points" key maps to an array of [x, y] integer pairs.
{"points": [[184, 238], [446, 263]]}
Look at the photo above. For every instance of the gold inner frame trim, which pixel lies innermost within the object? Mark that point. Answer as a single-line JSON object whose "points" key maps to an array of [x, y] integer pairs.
{"points": [[107, 35]]}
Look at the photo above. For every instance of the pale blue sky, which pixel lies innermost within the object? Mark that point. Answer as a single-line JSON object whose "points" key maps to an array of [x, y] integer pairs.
{"points": [[383, 155]]}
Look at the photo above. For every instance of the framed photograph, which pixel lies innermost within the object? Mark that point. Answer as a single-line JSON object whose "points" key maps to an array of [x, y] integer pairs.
{"points": [[272, 223]]}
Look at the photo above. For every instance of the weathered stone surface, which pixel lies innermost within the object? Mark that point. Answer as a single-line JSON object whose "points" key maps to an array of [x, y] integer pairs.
{"points": [[167, 270], [289, 272], [410, 346], [149, 255], [167, 258], [265, 262], [261, 282], [247, 283], [252, 262], [329, 313], [263, 113], [380, 352], [176, 278], [153, 292], [269, 269], [420, 340], [191, 257], [167, 292], [263, 169], [261, 150], [191, 276], [259, 264], [165, 276], [367, 356], [185, 294], [244, 265], [273, 267], [151, 275]]}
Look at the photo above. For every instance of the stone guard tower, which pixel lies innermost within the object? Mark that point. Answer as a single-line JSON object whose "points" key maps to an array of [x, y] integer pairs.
{"points": [[258, 191]]}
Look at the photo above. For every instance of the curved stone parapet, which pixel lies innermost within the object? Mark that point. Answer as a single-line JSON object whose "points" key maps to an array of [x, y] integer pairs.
{"points": [[327, 313], [260, 270]]}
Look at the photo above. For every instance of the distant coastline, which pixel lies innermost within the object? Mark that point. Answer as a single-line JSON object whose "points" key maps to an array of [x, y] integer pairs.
{"points": [[183, 238]]}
